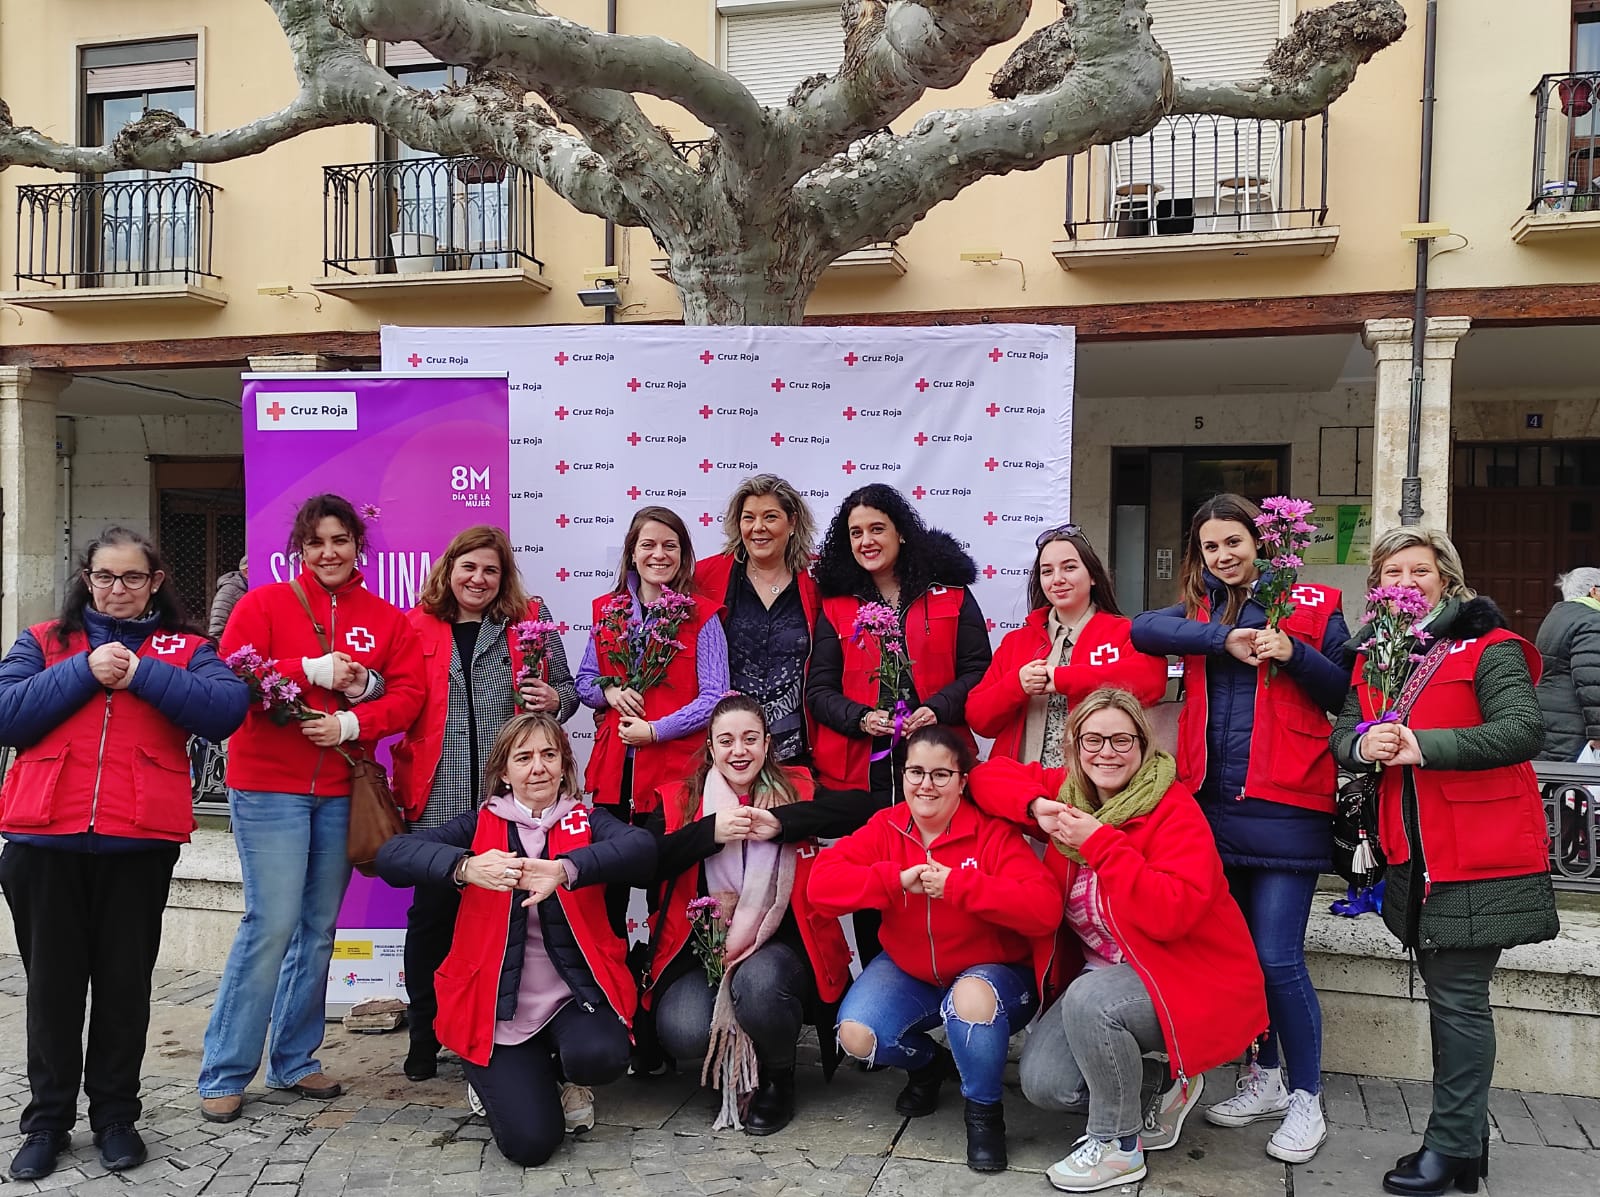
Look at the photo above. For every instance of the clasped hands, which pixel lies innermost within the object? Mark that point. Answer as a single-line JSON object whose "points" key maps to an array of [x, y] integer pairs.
{"points": [[1255, 645], [928, 878], [881, 723], [1390, 744], [1066, 825], [632, 727], [112, 665], [500, 871], [746, 823]]}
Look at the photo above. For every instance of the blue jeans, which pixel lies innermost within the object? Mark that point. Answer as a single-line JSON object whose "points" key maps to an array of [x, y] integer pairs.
{"points": [[1277, 905], [900, 1010], [292, 855]]}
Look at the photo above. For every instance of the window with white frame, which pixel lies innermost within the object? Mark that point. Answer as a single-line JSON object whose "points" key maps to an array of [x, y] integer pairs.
{"points": [[770, 45]]}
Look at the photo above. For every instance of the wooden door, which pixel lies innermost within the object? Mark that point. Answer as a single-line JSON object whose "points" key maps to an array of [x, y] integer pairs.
{"points": [[1515, 541]]}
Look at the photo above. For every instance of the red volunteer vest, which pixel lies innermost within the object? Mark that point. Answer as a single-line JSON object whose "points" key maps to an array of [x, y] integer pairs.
{"points": [[1290, 761], [116, 765], [416, 754], [468, 982], [822, 935], [842, 761], [1475, 823]]}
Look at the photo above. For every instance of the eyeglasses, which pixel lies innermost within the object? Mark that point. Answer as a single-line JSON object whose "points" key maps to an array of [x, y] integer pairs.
{"points": [[104, 579], [1120, 742], [1059, 530], [916, 775]]}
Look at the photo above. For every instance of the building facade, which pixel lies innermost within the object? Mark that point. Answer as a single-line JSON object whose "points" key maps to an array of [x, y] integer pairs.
{"points": [[1243, 291]]}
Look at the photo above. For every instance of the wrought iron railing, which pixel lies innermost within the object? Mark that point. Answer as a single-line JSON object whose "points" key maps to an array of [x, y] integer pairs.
{"points": [[1202, 174], [424, 214], [1570, 807], [118, 233], [1566, 144]]}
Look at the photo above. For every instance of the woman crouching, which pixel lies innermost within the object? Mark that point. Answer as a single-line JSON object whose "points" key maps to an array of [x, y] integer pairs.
{"points": [[968, 912], [535, 997], [1148, 913], [781, 960]]}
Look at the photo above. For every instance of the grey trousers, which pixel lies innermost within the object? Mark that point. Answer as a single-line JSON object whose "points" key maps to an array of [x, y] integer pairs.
{"points": [[1462, 1023], [1087, 1051]]}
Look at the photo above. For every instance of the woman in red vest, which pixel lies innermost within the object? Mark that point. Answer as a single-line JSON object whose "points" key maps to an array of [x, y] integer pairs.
{"points": [[645, 741], [770, 602], [535, 995], [1253, 748], [1147, 913], [100, 701], [1462, 825], [466, 623], [782, 957], [1074, 641]]}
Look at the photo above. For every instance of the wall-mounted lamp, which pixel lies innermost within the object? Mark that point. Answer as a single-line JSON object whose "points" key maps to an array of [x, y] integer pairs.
{"points": [[602, 290], [988, 257], [287, 291]]}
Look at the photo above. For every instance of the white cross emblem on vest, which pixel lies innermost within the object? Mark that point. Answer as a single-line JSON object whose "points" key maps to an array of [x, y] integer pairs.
{"points": [[166, 645], [1461, 645], [970, 863], [1106, 654], [1309, 595], [806, 851], [360, 639], [575, 821]]}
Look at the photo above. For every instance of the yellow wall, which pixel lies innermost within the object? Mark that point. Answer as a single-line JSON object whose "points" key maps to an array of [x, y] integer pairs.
{"points": [[269, 221]]}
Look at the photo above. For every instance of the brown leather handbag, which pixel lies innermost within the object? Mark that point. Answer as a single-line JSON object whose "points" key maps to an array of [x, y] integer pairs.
{"points": [[374, 815]]}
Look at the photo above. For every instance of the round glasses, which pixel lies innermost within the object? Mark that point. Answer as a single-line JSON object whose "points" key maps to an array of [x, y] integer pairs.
{"points": [[1120, 742], [104, 579], [916, 775]]}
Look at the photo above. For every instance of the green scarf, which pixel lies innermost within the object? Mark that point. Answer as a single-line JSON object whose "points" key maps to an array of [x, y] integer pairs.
{"points": [[1587, 601], [1139, 797]]}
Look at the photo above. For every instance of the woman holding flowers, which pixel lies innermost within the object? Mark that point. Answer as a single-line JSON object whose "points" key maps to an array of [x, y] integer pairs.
{"points": [[1147, 913], [738, 954], [1261, 653], [535, 995], [770, 602], [968, 913], [1444, 708], [488, 650], [656, 664], [1074, 641], [100, 701], [352, 661]]}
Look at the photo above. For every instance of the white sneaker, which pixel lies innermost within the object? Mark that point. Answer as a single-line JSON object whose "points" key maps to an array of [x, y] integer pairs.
{"points": [[1095, 1164], [1163, 1118], [1303, 1129], [1260, 1096], [577, 1107], [475, 1103]]}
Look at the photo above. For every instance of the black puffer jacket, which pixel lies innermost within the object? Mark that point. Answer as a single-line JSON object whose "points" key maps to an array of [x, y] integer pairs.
{"points": [[1569, 690]]}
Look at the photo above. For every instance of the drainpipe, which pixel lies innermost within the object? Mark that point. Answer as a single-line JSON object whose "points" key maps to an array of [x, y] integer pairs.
{"points": [[1411, 484], [611, 225]]}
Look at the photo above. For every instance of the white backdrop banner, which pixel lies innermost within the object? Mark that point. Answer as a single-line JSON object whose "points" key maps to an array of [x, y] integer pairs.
{"points": [[973, 423]]}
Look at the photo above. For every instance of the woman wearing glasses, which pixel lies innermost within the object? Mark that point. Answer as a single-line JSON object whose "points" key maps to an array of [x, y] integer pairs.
{"points": [[1147, 912], [1253, 748], [100, 701], [1074, 641], [968, 914]]}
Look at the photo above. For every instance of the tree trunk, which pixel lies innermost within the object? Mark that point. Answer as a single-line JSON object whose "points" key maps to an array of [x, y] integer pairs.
{"points": [[753, 288]]}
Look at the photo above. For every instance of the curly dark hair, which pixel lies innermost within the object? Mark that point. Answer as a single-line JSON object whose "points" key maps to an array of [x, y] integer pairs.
{"points": [[926, 554]]}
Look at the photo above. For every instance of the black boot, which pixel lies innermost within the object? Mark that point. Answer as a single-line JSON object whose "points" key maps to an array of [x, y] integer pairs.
{"points": [[772, 1104], [920, 1097], [986, 1136], [422, 1061], [1427, 1173]]}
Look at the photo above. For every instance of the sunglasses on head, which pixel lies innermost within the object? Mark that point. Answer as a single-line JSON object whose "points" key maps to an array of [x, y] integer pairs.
{"points": [[1059, 530]]}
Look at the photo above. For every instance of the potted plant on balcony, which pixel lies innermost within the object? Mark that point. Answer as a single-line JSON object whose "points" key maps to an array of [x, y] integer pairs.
{"points": [[480, 170]]}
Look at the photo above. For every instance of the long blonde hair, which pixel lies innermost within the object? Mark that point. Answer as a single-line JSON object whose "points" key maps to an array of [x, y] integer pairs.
{"points": [[797, 553], [1107, 698], [1398, 540]]}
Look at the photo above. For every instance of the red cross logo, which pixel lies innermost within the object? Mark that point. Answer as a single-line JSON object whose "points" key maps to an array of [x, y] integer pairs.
{"points": [[991, 465], [563, 627], [633, 925], [633, 493], [993, 410], [360, 639], [414, 360], [1460, 646], [575, 821], [561, 413], [706, 413], [922, 384], [990, 624], [562, 521], [562, 467], [634, 384], [166, 645], [805, 851], [850, 358], [849, 467], [633, 439], [777, 384], [705, 465], [989, 572], [563, 574], [1106, 654], [1309, 595], [921, 438], [970, 863], [919, 493], [995, 354], [705, 519], [849, 413], [706, 358], [277, 411], [777, 439], [561, 358], [989, 518]]}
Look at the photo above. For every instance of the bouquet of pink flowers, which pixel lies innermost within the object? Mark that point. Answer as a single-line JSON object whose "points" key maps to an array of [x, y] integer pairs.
{"points": [[879, 621], [1284, 536], [531, 637], [710, 931], [659, 642], [278, 696], [1390, 652]]}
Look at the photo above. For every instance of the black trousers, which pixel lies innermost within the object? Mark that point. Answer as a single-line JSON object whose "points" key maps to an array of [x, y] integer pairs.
{"points": [[86, 919], [769, 990], [430, 928], [521, 1085], [1462, 1025], [619, 896]]}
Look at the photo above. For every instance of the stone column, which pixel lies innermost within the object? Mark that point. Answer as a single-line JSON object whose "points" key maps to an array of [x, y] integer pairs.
{"points": [[1390, 342], [30, 525], [291, 363]]}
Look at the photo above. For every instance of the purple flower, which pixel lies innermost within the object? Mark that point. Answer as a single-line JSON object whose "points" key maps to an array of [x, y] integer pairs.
{"points": [[244, 657], [369, 511], [876, 619]]}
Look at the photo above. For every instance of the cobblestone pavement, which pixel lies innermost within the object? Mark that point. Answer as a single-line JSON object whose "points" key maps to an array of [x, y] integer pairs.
{"points": [[389, 1136]]}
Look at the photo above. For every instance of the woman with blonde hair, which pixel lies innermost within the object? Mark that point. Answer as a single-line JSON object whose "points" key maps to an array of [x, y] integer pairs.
{"points": [[1462, 825], [466, 623], [1147, 913]]}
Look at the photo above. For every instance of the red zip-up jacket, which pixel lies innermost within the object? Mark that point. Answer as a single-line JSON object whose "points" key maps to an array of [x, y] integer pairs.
{"points": [[1166, 901], [1000, 905], [265, 756], [1103, 655]]}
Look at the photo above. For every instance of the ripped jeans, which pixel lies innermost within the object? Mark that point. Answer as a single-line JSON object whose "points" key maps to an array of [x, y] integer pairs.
{"points": [[900, 1010]]}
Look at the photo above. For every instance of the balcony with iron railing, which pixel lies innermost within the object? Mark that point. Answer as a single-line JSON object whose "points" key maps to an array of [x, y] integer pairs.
{"points": [[120, 240], [1200, 187], [1565, 194], [428, 223]]}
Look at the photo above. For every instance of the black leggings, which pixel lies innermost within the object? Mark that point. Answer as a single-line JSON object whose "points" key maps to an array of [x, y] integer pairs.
{"points": [[769, 991]]}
